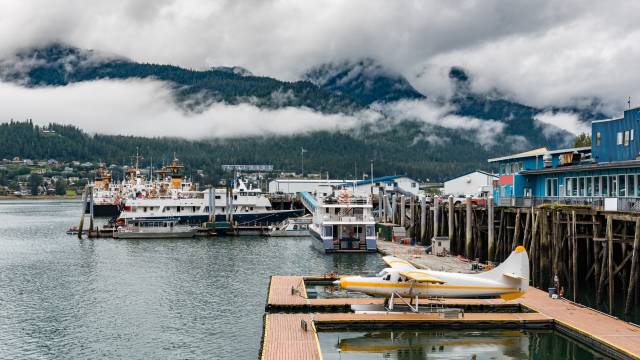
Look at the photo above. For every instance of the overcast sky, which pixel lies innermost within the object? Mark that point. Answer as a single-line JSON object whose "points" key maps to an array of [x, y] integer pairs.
{"points": [[542, 53]]}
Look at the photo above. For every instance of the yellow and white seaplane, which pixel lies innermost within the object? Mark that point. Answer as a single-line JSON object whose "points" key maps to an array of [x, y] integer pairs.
{"points": [[509, 281]]}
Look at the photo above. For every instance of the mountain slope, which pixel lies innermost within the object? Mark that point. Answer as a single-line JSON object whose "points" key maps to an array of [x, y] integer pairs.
{"points": [[58, 65], [366, 81]]}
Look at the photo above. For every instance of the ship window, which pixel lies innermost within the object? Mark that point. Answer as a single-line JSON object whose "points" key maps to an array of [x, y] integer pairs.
{"points": [[194, 208], [218, 197], [619, 138], [598, 138], [327, 230], [178, 208], [235, 197]]}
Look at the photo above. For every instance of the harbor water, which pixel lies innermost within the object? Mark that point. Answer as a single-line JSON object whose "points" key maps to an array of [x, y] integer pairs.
{"points": [[64, 298]]}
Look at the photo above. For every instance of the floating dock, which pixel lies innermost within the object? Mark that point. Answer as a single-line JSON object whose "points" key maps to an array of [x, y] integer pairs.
{"points": [[293, 319]]}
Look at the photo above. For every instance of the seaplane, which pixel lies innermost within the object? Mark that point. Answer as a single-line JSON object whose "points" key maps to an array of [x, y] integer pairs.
{"points": [[509, 281]]}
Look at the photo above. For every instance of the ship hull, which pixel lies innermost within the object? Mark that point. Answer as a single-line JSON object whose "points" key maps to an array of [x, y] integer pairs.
{"points": [[103, 210]]}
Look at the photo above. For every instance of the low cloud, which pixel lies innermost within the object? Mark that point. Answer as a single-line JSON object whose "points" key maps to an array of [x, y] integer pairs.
{"points": [[147, 108], [561, 121], [484, 132]]}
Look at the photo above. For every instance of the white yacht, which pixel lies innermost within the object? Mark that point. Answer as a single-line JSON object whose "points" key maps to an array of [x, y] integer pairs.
{"points": [[291, 227], [342, 221], [155, 229]]}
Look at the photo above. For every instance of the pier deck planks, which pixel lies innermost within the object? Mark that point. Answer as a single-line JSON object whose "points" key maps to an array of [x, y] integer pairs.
{"points": [[285, 339], [608, 330], [280, 290], [285, 328]]}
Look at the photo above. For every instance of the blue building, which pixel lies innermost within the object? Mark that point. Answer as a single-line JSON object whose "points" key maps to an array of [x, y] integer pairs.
{"points": [[605, 175]]}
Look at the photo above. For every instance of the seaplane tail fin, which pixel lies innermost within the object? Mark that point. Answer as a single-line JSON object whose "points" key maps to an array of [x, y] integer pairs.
{"points": [[514, 270]]}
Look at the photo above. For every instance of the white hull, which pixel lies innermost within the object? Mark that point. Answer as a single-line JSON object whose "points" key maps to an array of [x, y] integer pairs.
{"points": [[154, 234]]}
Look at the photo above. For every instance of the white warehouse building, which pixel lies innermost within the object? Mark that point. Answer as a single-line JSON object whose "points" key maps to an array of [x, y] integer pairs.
{"points": [[474, 184], [293, 186], [387, 183]]}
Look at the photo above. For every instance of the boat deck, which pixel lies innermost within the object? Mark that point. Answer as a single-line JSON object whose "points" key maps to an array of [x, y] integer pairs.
{"points": [[285, 338]]}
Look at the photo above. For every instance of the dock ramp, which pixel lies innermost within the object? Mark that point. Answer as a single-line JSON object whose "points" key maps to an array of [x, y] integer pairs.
{"points": [[308, 200]]}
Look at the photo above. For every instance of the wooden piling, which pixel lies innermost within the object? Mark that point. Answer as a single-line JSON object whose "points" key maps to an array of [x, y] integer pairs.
{"points": [[84, 209], [423, 218], [91, 204], [468, 244], [450, 219], [490, 228], [436, 210], [516, 230], [610, 260], [633, 277], [403, 210], [574, 248]]}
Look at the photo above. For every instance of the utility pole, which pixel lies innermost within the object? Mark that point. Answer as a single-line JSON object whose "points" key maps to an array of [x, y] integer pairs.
{"points": [[302, 151]]}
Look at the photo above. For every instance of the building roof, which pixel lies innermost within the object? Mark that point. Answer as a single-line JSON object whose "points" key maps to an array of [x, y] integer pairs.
{"points": [[539, 152], [383, 179], [626, 164], [472, 172]]}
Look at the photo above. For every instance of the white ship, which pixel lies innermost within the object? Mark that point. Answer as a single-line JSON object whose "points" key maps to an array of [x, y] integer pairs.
{"points": [[342, 222], [242, 205]]}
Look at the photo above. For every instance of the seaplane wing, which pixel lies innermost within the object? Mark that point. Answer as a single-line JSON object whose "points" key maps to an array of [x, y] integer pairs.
{"points": [[421, 276], [398, 264]]}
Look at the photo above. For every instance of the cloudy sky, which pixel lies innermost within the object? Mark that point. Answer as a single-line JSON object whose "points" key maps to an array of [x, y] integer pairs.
{"points": [[541, 53]]}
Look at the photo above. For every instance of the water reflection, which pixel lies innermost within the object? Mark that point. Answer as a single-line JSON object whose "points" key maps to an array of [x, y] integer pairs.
{"points": [[452, 344]]}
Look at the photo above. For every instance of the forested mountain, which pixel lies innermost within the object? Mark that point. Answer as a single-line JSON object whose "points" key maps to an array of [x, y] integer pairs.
{"points": [[400, 142], [399, 149], [58, 65], [364, 80]]}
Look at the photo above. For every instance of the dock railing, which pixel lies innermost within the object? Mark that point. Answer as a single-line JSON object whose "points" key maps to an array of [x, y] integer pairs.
{"points": [[624, 204]]}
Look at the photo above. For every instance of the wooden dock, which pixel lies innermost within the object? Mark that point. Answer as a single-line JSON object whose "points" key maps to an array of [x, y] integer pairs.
{"points": [[284, 336]]}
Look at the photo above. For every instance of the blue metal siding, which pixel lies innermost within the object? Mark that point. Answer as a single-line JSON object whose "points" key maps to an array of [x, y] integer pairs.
{"points": [[609, 150]]}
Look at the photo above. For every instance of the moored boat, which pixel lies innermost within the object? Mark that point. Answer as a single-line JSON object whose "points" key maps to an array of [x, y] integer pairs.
{"points": [[291, 227], [342, 222], [156, 229]]}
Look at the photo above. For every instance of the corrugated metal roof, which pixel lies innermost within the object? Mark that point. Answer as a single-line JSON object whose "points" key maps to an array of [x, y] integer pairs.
{"points": [[539, 152], [589, 167]]}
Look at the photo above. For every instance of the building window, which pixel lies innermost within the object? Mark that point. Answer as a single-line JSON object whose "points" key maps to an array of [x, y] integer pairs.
{"points": [[631, 135], [622, 186], [605, 185], [581, 186], [631, 185], [596, 186], [619, 139], [626, 138], [589, 187], [613, 186], [598, 138]]}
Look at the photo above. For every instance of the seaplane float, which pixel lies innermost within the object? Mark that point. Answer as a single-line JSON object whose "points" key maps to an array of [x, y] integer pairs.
{"points": [[509, 281]]}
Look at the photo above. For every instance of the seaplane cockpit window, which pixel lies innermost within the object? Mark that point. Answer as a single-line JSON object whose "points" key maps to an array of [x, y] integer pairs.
{"points": [[387, 278]]}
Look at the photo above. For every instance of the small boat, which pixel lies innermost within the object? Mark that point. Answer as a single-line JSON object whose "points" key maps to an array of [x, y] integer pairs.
{"points": [[156, 229], [291, 227]]}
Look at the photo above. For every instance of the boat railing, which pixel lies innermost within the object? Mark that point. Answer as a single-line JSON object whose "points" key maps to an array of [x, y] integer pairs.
{"points": [[348, 218]]}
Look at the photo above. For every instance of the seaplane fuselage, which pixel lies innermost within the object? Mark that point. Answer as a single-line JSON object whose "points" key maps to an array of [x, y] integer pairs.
{"points": [[509, 280]]}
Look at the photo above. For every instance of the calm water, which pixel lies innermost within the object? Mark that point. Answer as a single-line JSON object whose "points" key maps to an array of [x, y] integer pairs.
{"points": [[452, 344], [64, 298]]}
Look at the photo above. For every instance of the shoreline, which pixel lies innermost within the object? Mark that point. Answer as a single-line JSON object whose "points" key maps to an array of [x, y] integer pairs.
{"points": [[41, 197]]}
